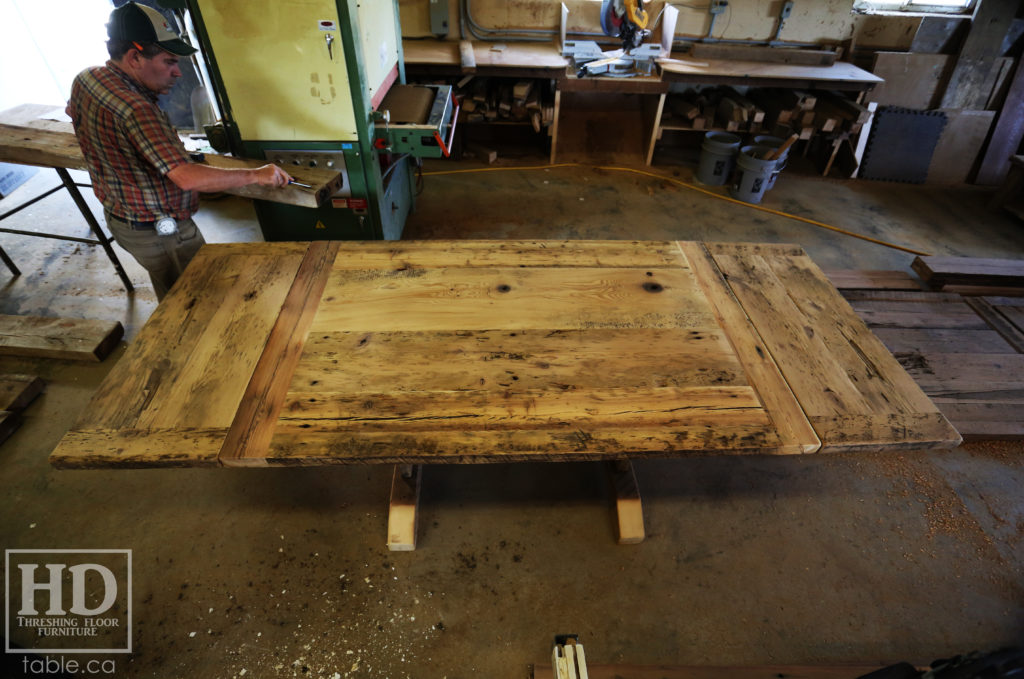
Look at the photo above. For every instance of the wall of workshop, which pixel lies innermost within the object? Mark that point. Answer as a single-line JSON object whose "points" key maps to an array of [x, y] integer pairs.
{"points": [[828, 22]]}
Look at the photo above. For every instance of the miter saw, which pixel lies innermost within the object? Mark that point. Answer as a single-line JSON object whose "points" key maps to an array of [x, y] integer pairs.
{"points": [[627, 21]]}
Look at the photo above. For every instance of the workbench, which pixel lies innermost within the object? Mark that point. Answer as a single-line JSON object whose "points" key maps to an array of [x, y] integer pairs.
{"points": [[32, 134], [441, 352], [430, 58]]}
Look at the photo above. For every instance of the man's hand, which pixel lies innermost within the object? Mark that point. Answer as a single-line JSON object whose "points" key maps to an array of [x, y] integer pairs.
{"points": [[271, 175], [199, 177]]}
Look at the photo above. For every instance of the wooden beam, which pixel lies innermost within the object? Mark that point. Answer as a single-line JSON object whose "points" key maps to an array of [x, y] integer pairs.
{"points": [[938, 271], [403, 508], [17, 391], [49, 337]]}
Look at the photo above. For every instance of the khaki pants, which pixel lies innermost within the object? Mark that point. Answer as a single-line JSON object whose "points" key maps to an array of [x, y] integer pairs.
{"points": [[163, 257]]}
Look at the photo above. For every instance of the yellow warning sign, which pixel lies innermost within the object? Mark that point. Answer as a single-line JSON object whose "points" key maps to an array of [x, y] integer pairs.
{"points": [[320, 225]]}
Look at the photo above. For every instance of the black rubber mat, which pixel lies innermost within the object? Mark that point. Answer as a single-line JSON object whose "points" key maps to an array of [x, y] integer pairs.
{"points": [[901, 144]]}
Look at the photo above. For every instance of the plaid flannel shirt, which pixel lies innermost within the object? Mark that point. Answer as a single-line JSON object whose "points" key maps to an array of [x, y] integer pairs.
{"points": [[129, 145]]}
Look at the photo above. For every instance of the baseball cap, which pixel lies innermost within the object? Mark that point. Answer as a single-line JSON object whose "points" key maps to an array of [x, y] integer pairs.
{"points": [[133, 22]]}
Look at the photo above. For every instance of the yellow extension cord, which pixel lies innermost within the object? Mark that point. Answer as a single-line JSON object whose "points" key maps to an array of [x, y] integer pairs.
{"points": [[694, 188]]}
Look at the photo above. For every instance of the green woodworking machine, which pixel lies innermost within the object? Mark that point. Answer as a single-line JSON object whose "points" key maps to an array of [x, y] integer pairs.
{"points": [[321, 83]]}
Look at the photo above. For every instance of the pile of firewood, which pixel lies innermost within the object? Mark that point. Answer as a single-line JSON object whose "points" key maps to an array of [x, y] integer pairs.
{"points": [[501, 99]]}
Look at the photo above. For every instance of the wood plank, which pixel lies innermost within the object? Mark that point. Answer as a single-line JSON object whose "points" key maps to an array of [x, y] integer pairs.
{"points": [[17, 391], [761, 368], [403, 507], [975, 73], [932, 340], [840, 74], [959, 145], [938, 271], [324, 183], [171, 399], [531, 359], [1006, 320], [249, 436], [985, 420], [40, 147], [774, 55], [76, 339], [914, 81], [872, 280], [1007, 135], [9, 423], [390, 257], [855, 394], [512, 299], [852, 296]]}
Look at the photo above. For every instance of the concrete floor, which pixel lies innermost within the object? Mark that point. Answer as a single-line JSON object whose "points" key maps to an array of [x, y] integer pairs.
{"points": [[869, 558]]}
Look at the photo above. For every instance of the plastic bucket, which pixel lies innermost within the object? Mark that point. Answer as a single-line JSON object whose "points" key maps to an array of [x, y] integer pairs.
{"points": [[780, 164], [717, 156], [752, 174]]}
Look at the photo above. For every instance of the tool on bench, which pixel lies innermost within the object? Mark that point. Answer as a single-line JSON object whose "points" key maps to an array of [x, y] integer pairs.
{"points": [[627, 21], [292, 182]]}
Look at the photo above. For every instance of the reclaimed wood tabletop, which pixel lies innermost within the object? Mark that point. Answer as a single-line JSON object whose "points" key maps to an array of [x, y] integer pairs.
{"points": [[423, 352]]}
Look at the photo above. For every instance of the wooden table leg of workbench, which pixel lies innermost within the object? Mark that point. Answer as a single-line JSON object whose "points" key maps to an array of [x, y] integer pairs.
{"points": [[403, 511], [629, 509]]}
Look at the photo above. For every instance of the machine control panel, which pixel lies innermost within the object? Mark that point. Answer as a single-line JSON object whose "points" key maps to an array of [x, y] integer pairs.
{"points": [[323, 160]]}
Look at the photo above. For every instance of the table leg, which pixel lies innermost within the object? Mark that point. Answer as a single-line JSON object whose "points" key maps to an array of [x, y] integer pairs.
{"points": [[403, 510], [629, 509], [76, 195], [9, 262]]}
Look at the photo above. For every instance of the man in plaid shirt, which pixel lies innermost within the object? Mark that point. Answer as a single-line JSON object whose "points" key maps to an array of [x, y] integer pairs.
{"points": [[139, 168]]}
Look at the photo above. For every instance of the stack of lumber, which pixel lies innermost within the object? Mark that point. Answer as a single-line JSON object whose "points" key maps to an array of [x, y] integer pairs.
{"points": [[966, 353], [709, 108], [16, 392], [972, 275]]}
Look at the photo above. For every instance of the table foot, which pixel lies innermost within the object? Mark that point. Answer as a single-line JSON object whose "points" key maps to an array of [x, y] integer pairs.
{"points": [[629, 508], [403, 511]]}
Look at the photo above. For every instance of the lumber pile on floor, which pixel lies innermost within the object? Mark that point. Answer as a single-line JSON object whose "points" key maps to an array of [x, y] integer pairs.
{"points": [[16, 392], [50, 337], [971, 275], [966, 354]]}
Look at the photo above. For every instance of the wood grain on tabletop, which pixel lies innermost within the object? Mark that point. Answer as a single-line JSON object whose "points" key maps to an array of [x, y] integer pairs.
{"points": [[540, 351], [854, 392], [171, 399], [468, 351]]}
